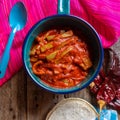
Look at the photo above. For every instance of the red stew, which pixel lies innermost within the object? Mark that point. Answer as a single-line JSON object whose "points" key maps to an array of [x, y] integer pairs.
{"points": [[60, 58]]}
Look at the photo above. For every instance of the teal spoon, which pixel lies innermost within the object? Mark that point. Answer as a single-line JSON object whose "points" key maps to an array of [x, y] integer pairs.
{"points": [[17, 20]]}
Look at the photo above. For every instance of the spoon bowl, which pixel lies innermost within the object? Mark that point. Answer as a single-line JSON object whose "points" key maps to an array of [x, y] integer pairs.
{"points": [[17, 16]]}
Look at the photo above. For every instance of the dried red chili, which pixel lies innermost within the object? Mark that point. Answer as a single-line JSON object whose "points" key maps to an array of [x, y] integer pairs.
{"points": [[95, 86], [107, 86], [107, 91]]}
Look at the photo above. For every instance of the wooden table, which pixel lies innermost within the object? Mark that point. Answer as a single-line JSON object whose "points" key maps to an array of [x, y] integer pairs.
{"points": [[22, 99]]}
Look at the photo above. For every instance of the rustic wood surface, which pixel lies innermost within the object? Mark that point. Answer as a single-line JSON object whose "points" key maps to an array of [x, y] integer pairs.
{"points": [[22, 99]]}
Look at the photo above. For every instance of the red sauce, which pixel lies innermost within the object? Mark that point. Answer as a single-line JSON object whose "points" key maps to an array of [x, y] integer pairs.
{"points": [[60, 58]]}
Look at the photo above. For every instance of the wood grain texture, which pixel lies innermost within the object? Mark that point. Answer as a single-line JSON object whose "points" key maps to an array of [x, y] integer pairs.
{"points": [[13, 98], [22, 99]]}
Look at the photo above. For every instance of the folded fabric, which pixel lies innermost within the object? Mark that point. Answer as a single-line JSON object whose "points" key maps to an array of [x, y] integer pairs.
{"points": [[103, 15]]}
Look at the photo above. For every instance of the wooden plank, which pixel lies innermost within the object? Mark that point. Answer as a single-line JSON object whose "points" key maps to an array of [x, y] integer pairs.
{"points": [[13, 98], [39, 101]]}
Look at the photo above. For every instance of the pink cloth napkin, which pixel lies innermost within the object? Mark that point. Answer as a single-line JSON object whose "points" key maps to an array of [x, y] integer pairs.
{"points": [[104, 15]]}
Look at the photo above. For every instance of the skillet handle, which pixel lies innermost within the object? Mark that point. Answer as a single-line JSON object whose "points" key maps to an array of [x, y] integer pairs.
{"points": [[63, 6]]}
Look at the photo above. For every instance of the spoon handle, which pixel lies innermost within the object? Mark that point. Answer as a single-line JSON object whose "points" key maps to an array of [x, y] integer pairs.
{"points": [[6, 55]]}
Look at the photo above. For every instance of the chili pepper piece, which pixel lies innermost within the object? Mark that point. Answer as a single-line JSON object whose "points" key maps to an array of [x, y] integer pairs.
{"points": [[118, 94], [107, 91], [98, 80], [96, 84], [94, 89], [102, 74], [115, 64]]}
